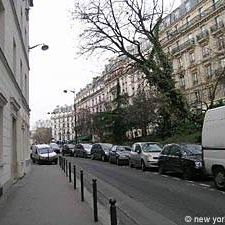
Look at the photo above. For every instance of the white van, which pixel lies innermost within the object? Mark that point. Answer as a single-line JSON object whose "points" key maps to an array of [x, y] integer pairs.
{"points": [[43, 153], [213, 145]]}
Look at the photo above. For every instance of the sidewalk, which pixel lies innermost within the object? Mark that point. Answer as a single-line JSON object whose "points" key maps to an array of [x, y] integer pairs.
{"points": [[44, 197]]}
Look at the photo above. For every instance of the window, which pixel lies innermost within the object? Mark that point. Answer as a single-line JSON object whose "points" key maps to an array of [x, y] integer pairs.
{"points": [[14, 57], [175, 151], [197, 95], [192, 57], [180, 62], [208, 70], [182, 81], [188, 20], [200, 11], [187, 6], [137, 148], [3, 102], [205, 51], [194, 78], [2, 25], [21, 76], [166, 150], [220, 43]]}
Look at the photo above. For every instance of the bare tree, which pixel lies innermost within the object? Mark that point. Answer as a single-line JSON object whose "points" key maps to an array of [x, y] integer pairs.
{"points": [[42, 135], [131, 28]]}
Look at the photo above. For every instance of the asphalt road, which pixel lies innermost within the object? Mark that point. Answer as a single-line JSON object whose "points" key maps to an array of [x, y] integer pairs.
{"points": [[169, 196]]}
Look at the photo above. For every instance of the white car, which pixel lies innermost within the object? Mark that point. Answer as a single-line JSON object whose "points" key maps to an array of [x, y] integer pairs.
{"points": [[55, 147], [43, 153], [145, 155]]}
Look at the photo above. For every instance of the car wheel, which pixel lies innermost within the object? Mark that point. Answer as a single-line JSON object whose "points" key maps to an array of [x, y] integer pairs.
{"points": [[219, 179], [187, 174], [130, 163], [161, 169], [143, 167], [118, 161]]}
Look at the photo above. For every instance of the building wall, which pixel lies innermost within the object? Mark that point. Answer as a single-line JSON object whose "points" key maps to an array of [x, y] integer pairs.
{"points": [[14, 78], [63, 123], [195, 41]]}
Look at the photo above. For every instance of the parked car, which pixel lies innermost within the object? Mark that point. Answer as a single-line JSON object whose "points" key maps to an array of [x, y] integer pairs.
{"points": [[119, 154], [213, 144], [82, 150], [145, 155], [182, 158], [68, 149], [100, 151], [55, 147], [43, 153]]}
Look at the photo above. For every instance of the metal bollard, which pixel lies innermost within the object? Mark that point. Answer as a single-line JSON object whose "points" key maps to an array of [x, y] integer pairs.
{"points": [[60, 161], [66, 168], [82, 185], [95, 206], [74, 177], [70, 180], [113, 215]]}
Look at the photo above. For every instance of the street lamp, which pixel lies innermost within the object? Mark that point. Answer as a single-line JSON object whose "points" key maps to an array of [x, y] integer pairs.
{"points": [[75, 112], [43, 46]]}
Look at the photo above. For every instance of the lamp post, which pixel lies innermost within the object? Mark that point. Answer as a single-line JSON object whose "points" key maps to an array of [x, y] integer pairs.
{"points": [[75, 112], [43, 46]]}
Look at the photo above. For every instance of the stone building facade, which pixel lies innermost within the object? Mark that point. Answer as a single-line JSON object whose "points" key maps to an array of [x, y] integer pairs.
{"points": [[14, 91], [62, 118], [193, 35]]}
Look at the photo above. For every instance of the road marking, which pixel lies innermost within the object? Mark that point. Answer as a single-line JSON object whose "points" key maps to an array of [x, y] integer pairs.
{"points": [[190, 181], [164, 175], [176, 178], [205, 185]]}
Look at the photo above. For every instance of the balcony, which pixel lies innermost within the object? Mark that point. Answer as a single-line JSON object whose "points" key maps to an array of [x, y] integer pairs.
{"points": [[187, 45], [217, 28], [202, 36], [195, 20]]}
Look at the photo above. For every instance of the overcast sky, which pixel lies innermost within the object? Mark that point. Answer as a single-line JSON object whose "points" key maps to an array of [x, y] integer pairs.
{"points": [[59, 67]]}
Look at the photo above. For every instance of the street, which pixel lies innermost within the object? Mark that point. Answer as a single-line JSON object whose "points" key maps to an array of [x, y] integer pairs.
{"points": [[169, 196]]}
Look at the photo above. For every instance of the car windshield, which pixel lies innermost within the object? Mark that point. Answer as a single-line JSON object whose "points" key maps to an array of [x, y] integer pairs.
{"points": [[124, 148], [192, 149], [106, 147], [44, 150], [151, 147], [87, 146]]}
